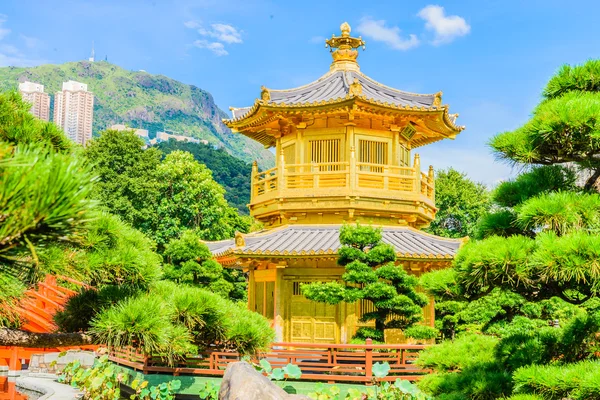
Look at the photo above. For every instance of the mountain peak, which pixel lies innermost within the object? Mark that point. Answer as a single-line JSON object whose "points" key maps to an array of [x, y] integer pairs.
{"points": [[143, 100]]}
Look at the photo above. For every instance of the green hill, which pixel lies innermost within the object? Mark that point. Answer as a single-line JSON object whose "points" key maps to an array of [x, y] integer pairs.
{"points": [[142, 100], [230, 172]]}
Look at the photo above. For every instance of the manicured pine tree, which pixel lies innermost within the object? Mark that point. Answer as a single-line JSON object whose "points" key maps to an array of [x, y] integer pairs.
{"points": [[372, 274]]}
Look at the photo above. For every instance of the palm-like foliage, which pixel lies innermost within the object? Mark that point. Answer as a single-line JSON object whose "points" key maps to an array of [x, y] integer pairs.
{"points": [[560, 212], [18, 126], [43, 198], [173, 319], [564, 128]]}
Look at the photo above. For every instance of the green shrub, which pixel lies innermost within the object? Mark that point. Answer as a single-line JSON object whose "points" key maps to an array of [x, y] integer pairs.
{"points": [[466, 351], [525, 397], [173, 320], [421, 332], [579, 381], [366, 332], [482, 381], [85, 305]]}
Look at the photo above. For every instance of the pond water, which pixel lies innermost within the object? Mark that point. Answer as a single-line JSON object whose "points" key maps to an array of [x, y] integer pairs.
{"points": [[8, 390]]}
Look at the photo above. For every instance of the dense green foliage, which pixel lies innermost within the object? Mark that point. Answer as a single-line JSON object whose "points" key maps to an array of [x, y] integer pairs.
{"points": [[460, 202], [161, 198], [142, 100], [51, 225], [230, 172], [190, 261], [579, 381], [533, 278], [564, 126], [371, 274], [191, 199], [43, 198], [127, 184], [173, 320]]}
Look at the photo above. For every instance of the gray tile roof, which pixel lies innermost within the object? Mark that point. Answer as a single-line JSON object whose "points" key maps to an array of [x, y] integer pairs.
{"points": [[308, 240], [336, 85]]}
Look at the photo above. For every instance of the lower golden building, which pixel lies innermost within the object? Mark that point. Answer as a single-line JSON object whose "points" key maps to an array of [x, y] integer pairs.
{"points": [[344, 154], [278, 261]]}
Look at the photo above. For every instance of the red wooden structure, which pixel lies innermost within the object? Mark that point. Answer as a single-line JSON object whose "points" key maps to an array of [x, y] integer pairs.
{"points": [[323, 362], [37, 308], [8, 390], [41, 302]]}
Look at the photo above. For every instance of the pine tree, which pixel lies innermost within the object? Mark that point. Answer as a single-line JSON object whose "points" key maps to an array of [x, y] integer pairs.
{"points": [[372, 274]]}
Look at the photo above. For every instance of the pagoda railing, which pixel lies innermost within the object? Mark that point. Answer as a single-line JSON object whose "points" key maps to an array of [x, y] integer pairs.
{"points": [[319, 362], [342, 178]]}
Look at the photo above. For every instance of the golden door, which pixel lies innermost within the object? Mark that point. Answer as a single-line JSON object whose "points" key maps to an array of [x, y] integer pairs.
{"points": [[311, 322]]}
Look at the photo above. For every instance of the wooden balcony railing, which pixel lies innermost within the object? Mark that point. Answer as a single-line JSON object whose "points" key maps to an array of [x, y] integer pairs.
{"points": [[322, 362], [341, 178]]}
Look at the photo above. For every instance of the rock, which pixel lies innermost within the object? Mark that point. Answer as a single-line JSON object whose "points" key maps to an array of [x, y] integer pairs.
{"points": [[242, 382]]}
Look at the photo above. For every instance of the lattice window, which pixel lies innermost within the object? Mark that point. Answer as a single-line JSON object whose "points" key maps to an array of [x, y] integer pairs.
{"points": [[372, 152], [364, 307], [404, 156], [297, 290], [324, 152]]}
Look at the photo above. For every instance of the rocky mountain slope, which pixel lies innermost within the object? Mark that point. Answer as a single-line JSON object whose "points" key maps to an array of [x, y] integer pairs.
{"points": [[142, 100]]}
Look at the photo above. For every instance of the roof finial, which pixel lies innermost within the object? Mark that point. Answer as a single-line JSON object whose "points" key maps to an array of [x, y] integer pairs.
{"points": [[343, 48], [345, 28]]}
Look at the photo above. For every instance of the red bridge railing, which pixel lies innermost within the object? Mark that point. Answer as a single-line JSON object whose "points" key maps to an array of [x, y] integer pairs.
{"points": [[323, 362]]}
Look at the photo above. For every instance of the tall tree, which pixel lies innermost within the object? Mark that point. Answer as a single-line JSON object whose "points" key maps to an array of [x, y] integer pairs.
{"points": [[460, 202], [372, 274], [564, 127], [190, 261], [127, 183], [43, 199], [191, 199], [230, 172]]}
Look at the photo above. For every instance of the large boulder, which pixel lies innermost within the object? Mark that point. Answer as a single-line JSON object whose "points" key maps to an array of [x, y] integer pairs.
{"points": [[242, 382]]}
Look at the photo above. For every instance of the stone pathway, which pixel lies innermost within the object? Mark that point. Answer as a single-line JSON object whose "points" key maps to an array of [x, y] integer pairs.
{"points": [[47, 384]]}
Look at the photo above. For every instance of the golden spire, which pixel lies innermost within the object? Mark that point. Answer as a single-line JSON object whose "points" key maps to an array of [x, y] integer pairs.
{"points": [[343, 48]]}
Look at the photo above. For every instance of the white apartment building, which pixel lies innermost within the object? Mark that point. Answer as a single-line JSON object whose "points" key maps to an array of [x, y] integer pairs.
{"points": [[33, 93], [74, 111], [164, 137], [143, 133]]}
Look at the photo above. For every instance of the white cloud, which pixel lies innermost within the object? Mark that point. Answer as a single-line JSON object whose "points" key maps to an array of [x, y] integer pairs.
{"points": [[446, 28], [30, 42], [376, 30], [3, 31], [11, 55], [222, 32], [215, 47], [191, 24], [219, 34], [9, 49]]}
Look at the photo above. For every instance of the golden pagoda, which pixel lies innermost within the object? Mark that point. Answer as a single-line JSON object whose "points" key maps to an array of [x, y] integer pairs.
{"points": [[343, 155]]}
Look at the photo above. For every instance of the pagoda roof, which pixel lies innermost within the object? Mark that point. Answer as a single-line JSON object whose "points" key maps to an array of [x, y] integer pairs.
{"points": [[337, 85], [322, 240], [345, 89]]}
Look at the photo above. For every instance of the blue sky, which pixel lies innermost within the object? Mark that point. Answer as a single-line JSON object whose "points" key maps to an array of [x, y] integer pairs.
{"points": [[490, 58]]}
